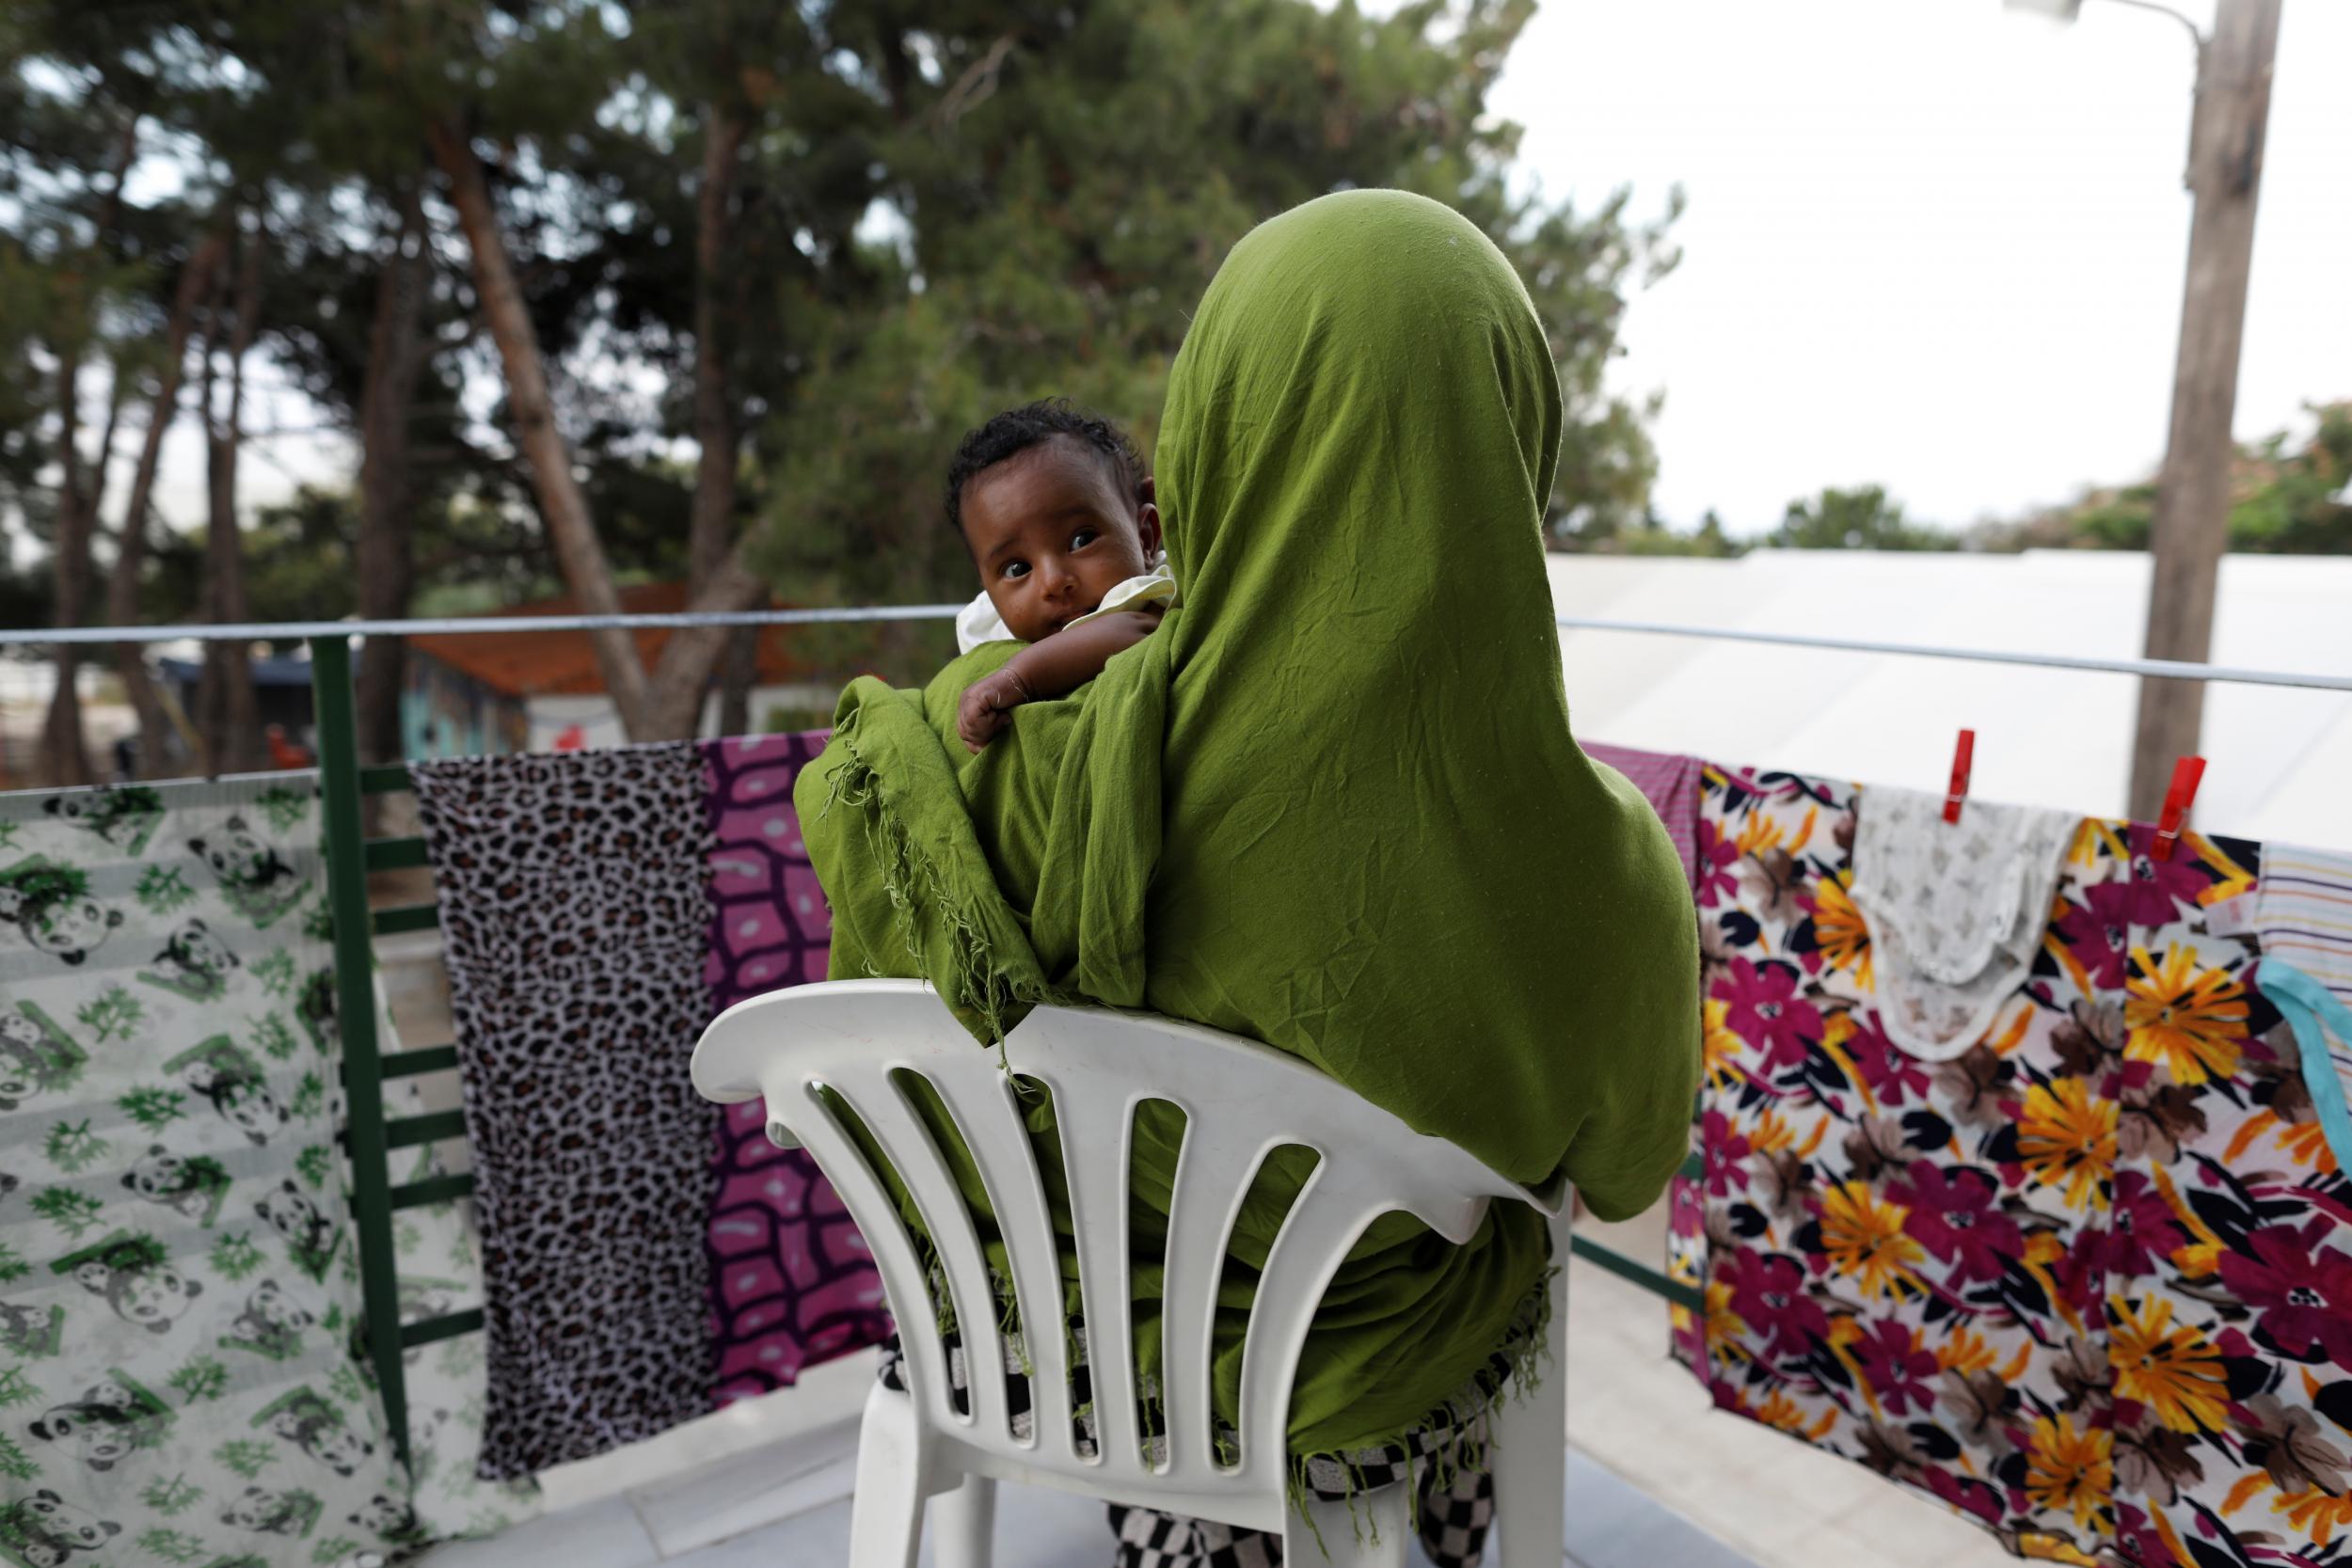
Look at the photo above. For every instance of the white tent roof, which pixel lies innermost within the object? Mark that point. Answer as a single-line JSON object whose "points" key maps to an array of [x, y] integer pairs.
{"points": [[2280, 760]]}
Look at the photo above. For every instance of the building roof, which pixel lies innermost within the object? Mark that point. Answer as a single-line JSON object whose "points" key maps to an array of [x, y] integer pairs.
{"points": [[564, 663], [2277, 757]]}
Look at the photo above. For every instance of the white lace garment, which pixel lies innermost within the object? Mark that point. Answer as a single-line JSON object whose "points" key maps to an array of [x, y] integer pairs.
{"points": [[1956, 910]]}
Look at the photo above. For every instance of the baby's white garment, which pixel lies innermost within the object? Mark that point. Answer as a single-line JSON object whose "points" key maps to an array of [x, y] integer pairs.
{"points": [[979, 623], [1956, 910]]}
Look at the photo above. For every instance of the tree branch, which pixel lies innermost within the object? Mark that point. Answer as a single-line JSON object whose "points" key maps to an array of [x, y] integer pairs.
{"points": [[579, 553], [122, 587], [714, 415]]}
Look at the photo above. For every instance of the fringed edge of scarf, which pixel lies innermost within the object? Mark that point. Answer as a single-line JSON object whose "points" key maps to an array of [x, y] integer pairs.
{"points": [[1471, 1446], [977, 980]]}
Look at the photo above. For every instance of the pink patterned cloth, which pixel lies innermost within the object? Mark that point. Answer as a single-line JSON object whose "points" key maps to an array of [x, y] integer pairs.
{"points": [[1670, 785], [791, 1282]]}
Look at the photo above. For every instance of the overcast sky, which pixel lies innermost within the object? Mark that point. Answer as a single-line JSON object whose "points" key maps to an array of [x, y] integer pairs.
{"points": [[1932, 244]]}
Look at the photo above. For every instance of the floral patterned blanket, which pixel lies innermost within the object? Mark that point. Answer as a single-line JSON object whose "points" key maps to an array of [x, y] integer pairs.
{"points": [[2089, 1283]]}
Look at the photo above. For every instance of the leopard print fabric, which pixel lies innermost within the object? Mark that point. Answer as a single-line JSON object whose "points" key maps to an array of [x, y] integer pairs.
{"points": [[575, 912]]}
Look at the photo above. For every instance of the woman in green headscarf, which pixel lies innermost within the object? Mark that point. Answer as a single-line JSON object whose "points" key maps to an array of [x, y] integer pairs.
{"points": [[1334, 803]]}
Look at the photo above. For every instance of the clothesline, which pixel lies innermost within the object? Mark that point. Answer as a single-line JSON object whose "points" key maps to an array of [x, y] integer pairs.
{"points": [[254, 631]]}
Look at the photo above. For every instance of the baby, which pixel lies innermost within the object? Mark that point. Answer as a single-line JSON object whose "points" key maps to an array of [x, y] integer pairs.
{"points": [[1058, 515]]}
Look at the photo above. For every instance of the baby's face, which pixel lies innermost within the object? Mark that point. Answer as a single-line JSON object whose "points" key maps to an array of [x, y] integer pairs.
{"points": [[1051, 534]]}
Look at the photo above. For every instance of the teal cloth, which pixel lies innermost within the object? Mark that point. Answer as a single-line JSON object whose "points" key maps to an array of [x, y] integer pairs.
{"points": [[2311, 1010]]}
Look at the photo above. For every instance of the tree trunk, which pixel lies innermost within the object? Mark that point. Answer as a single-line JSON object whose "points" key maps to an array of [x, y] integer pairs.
{"points": [[579, 553], [397, 353], [94, 504], [736, 679], [714, 410], [122, 587], [714, 417], [62, 742], [62, 738], [236, 741]]}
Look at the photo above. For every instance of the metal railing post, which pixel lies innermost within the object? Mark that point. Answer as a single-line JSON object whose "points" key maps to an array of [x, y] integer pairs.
{"points": [[354, 1011]]}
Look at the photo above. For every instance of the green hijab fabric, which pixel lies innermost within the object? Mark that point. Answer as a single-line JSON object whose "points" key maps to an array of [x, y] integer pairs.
{"points": [[1334, 803]]}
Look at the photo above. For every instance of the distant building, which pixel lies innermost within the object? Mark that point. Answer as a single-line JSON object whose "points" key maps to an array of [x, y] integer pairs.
{"points": [[2277, 758], [491, 694], [281, 689]]}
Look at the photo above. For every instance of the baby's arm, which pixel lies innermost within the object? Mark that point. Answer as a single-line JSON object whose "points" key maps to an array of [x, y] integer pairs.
{"points": [[1051, 667]]}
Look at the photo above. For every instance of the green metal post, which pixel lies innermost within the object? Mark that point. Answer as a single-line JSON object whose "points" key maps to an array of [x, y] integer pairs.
{"points": [[355, 1010]]}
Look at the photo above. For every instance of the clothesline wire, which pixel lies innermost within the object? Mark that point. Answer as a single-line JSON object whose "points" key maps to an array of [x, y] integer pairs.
{"points": [[252, 632], [2165, 668]]}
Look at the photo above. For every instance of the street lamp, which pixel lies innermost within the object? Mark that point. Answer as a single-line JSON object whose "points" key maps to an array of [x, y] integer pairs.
{"points": [[2067, 10], [2191, 526]]}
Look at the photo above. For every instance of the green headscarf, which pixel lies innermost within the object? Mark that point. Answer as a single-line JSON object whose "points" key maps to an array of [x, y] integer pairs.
{"points": [[1334, 803]]}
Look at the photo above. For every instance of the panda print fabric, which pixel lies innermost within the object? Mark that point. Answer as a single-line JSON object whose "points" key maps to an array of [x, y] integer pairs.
{"points": [[178, 1280]]}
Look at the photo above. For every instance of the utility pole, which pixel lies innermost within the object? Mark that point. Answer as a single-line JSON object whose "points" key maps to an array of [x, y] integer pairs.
{"points": [[2192, 516]]}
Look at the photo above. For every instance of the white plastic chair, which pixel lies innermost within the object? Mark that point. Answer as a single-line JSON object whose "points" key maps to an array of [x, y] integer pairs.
{"points": [[1241, 1101]]}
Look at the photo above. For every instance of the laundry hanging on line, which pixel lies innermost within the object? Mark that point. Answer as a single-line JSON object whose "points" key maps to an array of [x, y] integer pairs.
{"points": [[2081, 1282], [792, 1284], [178, 1277], [598, 907]]}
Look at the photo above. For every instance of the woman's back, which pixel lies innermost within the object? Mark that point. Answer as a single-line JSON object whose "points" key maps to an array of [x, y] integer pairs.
{"points": [[1334, 803]]}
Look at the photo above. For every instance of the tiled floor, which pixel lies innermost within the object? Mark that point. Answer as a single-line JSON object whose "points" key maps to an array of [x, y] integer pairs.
{"points": [[1656, 1480], [1615, 1526]]}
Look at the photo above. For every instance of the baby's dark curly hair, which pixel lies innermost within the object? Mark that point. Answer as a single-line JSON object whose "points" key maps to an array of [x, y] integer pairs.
{"points": [[1016, 430]]}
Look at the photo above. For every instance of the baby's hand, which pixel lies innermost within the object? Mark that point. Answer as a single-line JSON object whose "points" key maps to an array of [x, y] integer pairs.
{"points": [[987, 708]]}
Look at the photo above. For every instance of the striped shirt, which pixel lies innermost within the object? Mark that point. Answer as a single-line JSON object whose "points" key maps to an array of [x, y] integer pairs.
{"points": [[2301, 911]]}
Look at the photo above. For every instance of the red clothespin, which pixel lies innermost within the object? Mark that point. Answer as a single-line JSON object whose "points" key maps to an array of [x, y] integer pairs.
{"points": [[1964, 757], [2188, 774]]}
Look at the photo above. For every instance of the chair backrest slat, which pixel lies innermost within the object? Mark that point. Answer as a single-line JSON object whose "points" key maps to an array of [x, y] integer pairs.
{"points": [[1209, 1185], [887, 1111], [1096, 1117], [797, 1110], [1322, 1226], [999, 1141], [1241, 1101]]}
